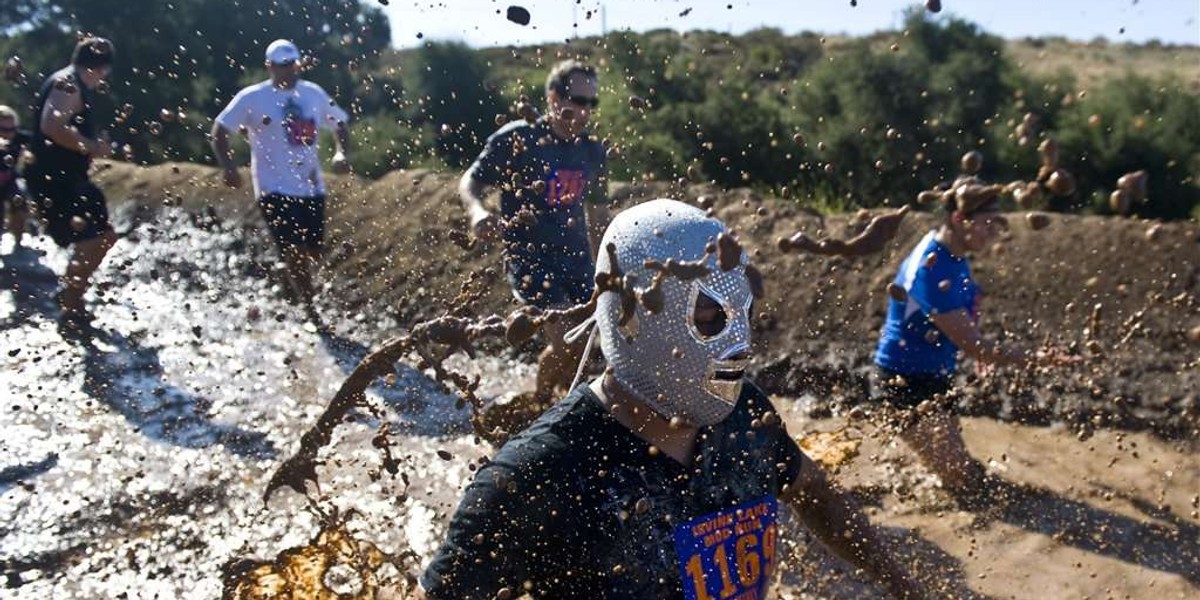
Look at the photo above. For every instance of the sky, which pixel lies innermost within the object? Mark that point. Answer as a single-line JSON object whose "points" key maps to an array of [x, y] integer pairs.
{"points": [[483, 22]]}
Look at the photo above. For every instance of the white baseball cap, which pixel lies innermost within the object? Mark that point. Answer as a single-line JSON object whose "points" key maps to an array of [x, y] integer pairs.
{"points": [[282, 52]]}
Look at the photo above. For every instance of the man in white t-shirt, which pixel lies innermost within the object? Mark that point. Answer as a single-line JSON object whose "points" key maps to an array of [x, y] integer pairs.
{"points": [[282, 117]]}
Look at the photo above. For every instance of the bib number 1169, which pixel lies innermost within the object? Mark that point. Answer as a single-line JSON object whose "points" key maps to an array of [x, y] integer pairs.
{"points": [[729, 555]]}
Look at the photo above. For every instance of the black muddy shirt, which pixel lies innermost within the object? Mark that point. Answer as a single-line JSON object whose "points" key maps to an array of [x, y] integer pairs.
{"points": [[577, 506], [547, 228], [52, 161]]}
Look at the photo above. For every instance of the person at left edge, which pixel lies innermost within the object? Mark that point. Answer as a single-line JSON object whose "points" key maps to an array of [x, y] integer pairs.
{"points": [[282, 117], [13, 143]]}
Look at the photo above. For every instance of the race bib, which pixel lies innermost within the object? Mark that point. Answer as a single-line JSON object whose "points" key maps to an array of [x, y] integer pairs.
{"points": [[729, 554]]}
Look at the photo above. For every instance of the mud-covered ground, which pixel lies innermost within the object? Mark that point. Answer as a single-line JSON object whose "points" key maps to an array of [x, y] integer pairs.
{"points": [[135, 454]]}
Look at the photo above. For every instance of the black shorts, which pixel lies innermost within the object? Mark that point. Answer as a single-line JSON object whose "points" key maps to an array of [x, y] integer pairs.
{"points": [[907, 391], [74, 209], [295, 220]]}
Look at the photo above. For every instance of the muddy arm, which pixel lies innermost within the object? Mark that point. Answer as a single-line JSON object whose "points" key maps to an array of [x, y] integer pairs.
{"points": [[837, 520]]}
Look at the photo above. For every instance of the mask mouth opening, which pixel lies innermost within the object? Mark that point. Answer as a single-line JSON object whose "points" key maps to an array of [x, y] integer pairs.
{"points": [[724, 378], [727, 374]]}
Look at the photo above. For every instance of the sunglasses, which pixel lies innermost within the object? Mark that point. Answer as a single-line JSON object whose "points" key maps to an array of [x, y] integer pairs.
{"points": [[585, 101]]}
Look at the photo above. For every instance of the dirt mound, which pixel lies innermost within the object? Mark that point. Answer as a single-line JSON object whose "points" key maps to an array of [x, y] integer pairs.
{"points": [[1124, 293]]}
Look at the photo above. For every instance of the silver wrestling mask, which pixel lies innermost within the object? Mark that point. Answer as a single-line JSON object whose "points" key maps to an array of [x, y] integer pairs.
{"points": [[663, 357]]}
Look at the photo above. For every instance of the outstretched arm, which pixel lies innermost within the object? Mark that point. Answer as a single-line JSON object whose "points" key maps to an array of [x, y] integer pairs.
{"points": [[960, 329], [836, 519], [484, 224]]}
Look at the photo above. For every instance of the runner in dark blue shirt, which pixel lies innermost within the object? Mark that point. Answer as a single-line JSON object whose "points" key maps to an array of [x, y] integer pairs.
{"points": [[553, 205], [13, 142], [934, 315]]}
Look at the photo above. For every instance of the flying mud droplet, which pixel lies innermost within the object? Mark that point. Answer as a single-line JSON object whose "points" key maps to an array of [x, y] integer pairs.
{"points": [[798, 138], [873, 238], [972, 162], [1028, 195], [944, 285], [642, 506], [933, 6], [1061, 183], [1038, 220], [1153, 233], [1048, 150], [1134, 184], [528, 112], [638, 103], [758, 288], [729, 251], [78, 223], [897, 292], [1120, 202], [14, 70], [1194, 334], [521, 326], [445, 455], [518, 15]]}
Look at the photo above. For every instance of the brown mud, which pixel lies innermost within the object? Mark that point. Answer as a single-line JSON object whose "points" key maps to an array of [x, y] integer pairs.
{"points": [[391, 252], [1098, 464]]}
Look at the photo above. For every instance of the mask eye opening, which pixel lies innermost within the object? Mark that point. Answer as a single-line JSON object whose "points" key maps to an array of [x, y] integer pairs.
{"points": [[709, 318]]}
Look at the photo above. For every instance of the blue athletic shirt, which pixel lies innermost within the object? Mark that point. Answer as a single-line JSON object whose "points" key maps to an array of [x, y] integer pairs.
{"points": [[935, 281], [572, 172]]}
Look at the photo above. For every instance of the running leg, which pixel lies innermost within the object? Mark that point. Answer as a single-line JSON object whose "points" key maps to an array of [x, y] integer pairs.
{"points": [[937, 440], [85, 259]]}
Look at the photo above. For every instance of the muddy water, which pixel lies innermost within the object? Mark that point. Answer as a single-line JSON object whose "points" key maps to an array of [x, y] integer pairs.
{"points": [[134, 457], [134, 454]]}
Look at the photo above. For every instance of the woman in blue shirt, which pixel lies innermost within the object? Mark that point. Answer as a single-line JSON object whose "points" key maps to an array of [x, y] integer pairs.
{"points": [[932, 315]]}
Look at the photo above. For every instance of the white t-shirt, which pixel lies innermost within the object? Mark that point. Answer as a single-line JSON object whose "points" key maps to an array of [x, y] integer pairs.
{"points": [[283, 126]]}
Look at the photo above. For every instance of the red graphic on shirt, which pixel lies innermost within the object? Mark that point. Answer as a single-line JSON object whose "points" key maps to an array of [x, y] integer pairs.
{"points": [[565, 188], [301, 131]]}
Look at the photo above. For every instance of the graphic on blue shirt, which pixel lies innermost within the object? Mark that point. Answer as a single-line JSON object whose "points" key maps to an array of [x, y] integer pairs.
{"points": [[730, 554], [565, 187], [935, 281]]}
